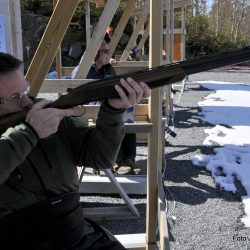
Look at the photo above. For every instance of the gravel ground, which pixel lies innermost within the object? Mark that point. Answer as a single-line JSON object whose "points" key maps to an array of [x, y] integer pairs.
{"points": [[200, 215]]}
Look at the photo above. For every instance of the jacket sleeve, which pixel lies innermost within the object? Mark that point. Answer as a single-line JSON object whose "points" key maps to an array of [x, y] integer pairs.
{"points": [[98, 147], [15, 144]]}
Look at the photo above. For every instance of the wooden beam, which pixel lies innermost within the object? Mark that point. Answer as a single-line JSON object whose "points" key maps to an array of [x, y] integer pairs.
{"points": [[108, 213], [121, 26], [87, 21], [162, 215], [183, 33], [100, 184], [50, 41], [142, 18], [97, 38], [58, 54], [144, 37], [132, 241], [155, 137]]}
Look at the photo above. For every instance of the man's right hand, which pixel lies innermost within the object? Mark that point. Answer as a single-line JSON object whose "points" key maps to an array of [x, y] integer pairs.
{"points": [[45, 121]]}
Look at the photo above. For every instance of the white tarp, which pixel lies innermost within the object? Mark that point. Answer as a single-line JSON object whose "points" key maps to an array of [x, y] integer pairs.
{"points": [[2, 35]]}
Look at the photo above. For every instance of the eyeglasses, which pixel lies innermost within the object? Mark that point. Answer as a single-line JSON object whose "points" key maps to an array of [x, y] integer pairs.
{"points": [[16, 98], [106, 51]]}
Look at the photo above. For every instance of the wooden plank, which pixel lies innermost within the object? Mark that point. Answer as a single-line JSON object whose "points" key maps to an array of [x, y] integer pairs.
{"points": [[97, 38], [58, 55], [108, 213], [100, 184], [142, 18], [134, 211], [87, 21], [155, 141], [91, 112], [183, 34], [49, 43], [133, 241], [121, 26], [130, 128], [162, 215], [141, 127], [144, 37], [66, 71]]}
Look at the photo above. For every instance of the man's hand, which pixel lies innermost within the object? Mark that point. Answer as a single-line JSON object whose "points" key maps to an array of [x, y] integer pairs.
{"points": [[136, 91], [45, 121]]}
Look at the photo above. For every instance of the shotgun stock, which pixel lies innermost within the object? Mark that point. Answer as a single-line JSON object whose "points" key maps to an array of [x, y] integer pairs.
{"points": [[154, 77]]}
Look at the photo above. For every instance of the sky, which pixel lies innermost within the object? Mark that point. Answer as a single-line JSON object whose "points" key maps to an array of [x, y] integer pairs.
{"points": [[228, 109], [209, 4]]}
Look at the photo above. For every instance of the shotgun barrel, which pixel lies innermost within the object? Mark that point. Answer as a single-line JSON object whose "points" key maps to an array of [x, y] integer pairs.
{"points": [[154, 77]]}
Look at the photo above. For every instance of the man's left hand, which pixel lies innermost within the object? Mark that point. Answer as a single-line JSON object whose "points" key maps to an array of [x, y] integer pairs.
{"points": [[136, 91]]}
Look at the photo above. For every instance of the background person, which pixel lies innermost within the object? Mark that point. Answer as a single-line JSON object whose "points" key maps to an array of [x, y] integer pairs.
{"points": [[101, 68]]}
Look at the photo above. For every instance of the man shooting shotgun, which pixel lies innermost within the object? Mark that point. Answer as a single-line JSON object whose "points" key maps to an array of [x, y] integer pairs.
{"points": [[39, 199]]}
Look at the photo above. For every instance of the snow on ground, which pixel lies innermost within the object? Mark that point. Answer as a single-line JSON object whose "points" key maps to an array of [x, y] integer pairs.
{"points": [[229, 110]]}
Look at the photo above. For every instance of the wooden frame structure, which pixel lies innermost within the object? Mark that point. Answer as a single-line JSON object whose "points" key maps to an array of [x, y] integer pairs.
{"points": [[47, 51]]}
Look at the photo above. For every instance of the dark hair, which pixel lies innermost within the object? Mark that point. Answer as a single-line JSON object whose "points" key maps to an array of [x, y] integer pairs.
{"points": [[8, 63]]}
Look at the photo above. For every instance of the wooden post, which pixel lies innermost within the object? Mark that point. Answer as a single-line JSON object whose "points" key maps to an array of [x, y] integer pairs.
{"points": [[155, 144], [58, 57], [97, 38], [87, 21], [183, 32], [144, 37], [49, 43], [140, 22], [58, 54], [121, 26], [171, 31]]}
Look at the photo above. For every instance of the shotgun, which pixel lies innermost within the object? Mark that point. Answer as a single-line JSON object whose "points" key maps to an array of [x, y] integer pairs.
{"points": [[155, 77]]}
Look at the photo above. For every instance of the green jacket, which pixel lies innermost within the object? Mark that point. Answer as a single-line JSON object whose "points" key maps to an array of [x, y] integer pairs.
{"points": [[32, 170]]}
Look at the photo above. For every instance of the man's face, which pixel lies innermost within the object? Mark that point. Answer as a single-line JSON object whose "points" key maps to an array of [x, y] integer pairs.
{"points": [[13, 93], [104, 55]]}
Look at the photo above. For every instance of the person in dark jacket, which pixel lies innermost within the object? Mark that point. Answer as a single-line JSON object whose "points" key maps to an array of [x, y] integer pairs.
{"points": [[39, 204], [102, 68]]}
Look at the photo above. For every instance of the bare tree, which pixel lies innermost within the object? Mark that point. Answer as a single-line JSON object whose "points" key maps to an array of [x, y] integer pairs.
{"points": [[239, 12]]}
